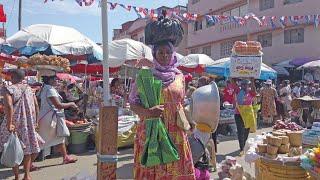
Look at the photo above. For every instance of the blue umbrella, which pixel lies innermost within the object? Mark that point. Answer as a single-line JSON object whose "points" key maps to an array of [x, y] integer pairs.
{"points": [[221, 67]]}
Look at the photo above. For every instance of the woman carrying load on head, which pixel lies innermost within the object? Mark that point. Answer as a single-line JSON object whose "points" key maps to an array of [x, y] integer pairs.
{"points": [[173, 95]]}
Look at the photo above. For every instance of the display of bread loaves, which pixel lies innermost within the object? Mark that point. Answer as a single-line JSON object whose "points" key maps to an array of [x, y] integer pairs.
{"points": [[247, 48], [52, 60]]}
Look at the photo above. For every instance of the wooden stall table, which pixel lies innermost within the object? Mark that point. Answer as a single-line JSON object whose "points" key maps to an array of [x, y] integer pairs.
{"points": [[268, 169]]}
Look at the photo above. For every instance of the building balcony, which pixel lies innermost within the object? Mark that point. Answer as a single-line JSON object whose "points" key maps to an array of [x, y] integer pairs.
{"points": [[221, 32], [205, 6]]}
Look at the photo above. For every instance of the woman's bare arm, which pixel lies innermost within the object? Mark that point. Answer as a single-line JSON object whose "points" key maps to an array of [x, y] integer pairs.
{"points": [[57, 103], [154, 112], [8, 110]]}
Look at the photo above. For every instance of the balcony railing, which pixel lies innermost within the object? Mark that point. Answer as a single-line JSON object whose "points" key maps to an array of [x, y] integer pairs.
{"points": [[230, 26]]}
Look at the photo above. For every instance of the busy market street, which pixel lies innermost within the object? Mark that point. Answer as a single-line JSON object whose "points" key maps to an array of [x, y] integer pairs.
{"points": [[159, 90], [87, 163]]}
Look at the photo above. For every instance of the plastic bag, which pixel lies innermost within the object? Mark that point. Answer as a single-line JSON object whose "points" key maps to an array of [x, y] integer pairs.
{"points": [[12, 154], [164, 30]]}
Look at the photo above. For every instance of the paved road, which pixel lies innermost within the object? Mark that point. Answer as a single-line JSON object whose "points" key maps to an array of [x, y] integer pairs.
{"points": [[51, 169]]}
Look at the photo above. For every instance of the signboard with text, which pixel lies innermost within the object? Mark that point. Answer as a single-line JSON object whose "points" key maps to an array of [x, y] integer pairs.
{"points": [[245, 66]]}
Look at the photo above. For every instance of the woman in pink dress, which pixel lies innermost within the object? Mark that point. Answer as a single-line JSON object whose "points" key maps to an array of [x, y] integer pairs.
{"points": [[173, 94], [21, 117]]}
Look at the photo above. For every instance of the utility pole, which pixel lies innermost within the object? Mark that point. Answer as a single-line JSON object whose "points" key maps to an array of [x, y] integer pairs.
{"points": [[108, 121], [248, 29], [19, 18]]}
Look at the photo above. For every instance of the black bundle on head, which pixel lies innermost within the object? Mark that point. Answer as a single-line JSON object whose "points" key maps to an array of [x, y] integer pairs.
{"points": [[165, 29]]}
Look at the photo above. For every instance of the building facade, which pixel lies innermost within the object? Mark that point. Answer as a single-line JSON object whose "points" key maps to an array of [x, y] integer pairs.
{"points": [[135, 30], [300, 41]]}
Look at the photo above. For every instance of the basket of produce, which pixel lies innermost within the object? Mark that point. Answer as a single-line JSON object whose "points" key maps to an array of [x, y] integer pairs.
{"points": [[288, 126], [55, 63], [81, 124]]}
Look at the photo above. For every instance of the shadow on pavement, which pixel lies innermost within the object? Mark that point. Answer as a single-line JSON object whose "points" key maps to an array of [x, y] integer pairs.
{"points": [[221, 157], [6, 173], [227, 138], [125, 171]]}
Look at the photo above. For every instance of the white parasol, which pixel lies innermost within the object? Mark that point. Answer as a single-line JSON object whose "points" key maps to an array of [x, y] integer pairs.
{"points": [[194, 60], [310, 65]]}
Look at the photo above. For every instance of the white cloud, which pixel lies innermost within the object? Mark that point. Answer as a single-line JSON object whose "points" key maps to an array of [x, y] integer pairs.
{"points": [[57, 7]]}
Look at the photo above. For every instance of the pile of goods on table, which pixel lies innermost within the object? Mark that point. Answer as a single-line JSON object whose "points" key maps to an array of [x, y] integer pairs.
{"points": [[287, 125], [310, 160], [230, 169], [311, 137], [286, 140]]}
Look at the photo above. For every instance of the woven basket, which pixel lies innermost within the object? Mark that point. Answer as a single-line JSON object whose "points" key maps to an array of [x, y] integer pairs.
{"points": [[284, 148], [272, 150], [295, 138], [274, 141], [285, 140], [276, 170], [262, 148]]}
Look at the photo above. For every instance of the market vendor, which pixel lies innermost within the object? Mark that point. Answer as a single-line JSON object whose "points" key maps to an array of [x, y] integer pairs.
{"points": [[173, 84], [229, 91], [52, 109], [244, 114]]}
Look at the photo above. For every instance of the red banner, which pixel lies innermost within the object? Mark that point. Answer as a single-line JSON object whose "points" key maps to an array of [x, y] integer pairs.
{"points": [[3, 17]]}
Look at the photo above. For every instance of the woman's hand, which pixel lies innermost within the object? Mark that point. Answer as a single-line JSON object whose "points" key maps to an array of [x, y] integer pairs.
{"points": [[156, 111], [73, 105], [11, 127]]}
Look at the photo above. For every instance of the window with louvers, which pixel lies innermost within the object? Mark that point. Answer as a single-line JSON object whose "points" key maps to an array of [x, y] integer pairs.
{"points": [[265, 39], [292, 36], [266, 4]]}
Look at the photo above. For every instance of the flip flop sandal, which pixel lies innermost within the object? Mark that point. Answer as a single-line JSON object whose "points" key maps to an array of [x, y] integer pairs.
{"points": [[69, 160]]}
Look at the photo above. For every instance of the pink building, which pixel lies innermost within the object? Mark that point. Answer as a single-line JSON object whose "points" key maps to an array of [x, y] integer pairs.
{"points": [[135, 30], [301, 41]]}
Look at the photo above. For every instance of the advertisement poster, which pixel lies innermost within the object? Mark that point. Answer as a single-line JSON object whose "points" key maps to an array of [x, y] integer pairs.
{"points": [[245, 66]]}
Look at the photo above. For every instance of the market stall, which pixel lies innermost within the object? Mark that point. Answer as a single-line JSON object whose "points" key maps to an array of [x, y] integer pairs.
{"points": [[221, 67], [277, 154]]}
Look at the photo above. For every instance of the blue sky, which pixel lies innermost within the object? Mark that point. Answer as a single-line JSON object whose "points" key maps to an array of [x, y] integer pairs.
{"points": [[68, 13]]}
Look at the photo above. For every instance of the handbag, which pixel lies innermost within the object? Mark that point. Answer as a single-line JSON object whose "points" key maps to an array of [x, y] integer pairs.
{"points": [[61, 126], [182, 120]]}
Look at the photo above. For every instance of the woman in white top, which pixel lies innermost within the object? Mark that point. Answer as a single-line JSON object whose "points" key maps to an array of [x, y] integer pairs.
{"points": [[285, 94], [51, 105]]}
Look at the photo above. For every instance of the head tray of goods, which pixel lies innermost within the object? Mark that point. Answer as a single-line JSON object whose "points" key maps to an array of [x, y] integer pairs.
{"points": [[246, 60]]}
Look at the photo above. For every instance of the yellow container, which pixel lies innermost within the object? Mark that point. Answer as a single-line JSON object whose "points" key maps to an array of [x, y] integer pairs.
{"points": [[276, 170]]}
